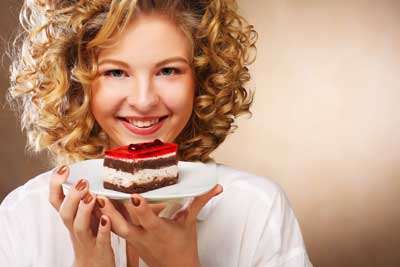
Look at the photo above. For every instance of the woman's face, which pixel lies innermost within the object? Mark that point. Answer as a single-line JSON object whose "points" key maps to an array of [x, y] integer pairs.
{"points": [[145, 86]]}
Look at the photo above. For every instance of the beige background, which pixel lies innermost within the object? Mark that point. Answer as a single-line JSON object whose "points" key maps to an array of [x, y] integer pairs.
{"points": [[326, 123]]}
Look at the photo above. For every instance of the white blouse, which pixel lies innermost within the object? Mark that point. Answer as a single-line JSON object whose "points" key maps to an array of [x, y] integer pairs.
{"points": [[250, 224]]}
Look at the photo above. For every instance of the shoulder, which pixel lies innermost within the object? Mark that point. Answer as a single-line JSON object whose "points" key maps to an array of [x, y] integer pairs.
{"points": [[33, 191], [27, 207], [257, 187], [260, 199], [23, 208], [274, 235], [27, 215]]}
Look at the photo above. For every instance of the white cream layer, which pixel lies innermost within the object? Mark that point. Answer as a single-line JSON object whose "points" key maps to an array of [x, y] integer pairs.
{"points": [[143, 176]]}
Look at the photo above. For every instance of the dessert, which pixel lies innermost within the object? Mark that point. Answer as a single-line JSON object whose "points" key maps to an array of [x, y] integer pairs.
{"points": [[142, 167]]}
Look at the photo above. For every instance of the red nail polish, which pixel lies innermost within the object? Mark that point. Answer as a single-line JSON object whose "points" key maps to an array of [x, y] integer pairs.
{"points": [[82, 184], [135, 201], [62, 170], [103, 221], [87, 198]]}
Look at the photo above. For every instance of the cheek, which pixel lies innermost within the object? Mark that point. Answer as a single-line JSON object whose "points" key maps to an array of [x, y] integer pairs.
{"points": [[179, 96], [180, 102], [103, 103]]}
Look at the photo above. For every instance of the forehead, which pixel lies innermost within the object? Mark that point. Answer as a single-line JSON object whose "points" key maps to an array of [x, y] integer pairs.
{"points": [[149, 37]]}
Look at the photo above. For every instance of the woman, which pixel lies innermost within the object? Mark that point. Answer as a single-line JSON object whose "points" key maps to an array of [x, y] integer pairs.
{"points": [[95, 75]]}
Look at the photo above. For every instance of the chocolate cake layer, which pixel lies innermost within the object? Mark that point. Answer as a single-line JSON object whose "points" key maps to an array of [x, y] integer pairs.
{"points": [[143, 187], [130, 167]]}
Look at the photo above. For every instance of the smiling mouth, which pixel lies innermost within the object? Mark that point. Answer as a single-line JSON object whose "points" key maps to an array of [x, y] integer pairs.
{"points": [[143, 123]]}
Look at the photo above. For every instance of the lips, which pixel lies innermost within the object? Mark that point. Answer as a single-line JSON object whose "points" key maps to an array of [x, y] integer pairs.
{"points": [[143, 125]]}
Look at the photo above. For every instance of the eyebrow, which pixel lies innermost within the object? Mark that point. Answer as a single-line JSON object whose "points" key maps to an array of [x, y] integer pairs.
{"points": [[172, 59], [113, 61], [125, 65]]}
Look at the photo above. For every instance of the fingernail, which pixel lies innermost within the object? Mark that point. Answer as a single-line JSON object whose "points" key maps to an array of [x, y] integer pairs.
{"points": [[62, 170], [103, 221], [82, 184], [135, 201], [100, 202], [87, 198]]}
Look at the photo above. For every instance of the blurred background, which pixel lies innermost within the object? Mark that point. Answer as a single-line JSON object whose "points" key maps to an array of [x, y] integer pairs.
{"points": [[325, 125]]}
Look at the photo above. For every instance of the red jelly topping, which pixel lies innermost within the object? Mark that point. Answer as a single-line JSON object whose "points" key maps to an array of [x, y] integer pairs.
{"points": [[141, 146], [143, 150]]}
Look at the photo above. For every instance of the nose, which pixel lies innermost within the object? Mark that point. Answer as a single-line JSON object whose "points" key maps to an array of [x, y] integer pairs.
{"points": [[143, 96]]}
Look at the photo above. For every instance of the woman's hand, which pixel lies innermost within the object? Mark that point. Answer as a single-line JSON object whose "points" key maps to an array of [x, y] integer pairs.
{"points": [[160, 242], [90, 239]]}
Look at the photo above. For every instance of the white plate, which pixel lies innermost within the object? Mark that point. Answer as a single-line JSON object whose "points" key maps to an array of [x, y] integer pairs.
{"points": [[194, 179]]}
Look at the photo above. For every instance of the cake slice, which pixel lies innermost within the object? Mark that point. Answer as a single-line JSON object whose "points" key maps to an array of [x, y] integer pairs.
{"points": [[142, 167]]}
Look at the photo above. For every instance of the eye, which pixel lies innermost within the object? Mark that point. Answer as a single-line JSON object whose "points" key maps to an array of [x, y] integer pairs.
{"points": [[168, 71], [117, 73]]}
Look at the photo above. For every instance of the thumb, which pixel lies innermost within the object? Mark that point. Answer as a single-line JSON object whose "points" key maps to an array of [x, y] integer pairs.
{"points": [[200, 201], [103, 239]]}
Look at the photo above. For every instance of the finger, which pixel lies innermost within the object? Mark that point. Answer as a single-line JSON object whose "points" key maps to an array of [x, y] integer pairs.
{"points": [[103, 240], [119, 225], [200, 201], [146, 217], [83, 219], [122, 207], [127, 209], [56, 195], [94, 223], [157, 208], [70, 204], [180, 217]]}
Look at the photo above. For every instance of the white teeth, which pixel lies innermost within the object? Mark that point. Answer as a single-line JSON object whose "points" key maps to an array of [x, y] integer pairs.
{"points": [[143, 124]]}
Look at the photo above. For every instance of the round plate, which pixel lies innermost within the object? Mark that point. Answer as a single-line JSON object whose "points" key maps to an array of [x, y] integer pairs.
{"points": [[194, 179]]}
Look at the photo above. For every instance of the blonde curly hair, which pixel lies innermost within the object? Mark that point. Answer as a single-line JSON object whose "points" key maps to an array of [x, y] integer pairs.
{"points": [[56, 61]]}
